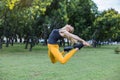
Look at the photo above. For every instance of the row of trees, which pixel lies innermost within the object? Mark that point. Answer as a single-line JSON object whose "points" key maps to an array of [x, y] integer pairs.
{"points": [[32, 19]]}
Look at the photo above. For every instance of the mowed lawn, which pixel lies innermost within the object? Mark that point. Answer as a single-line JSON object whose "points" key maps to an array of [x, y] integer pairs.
{"points": [[16, 63]]}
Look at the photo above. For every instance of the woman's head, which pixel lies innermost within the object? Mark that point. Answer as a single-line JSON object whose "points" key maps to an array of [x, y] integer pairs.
{"points": [[69, 28]]}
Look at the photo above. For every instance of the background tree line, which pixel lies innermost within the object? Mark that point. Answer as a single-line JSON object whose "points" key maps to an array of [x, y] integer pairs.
{"points": [[34, 19]]}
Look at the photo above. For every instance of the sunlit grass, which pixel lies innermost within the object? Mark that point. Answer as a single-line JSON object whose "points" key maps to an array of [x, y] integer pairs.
{"points": [[17, 63]]}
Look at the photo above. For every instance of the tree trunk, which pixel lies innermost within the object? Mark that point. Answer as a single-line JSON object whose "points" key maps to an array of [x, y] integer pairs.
{"points": [[26, 44], [0, 43], [26, 41], [11, 40], [20, 38], [15, 38], [31, 46], [7, 42]]}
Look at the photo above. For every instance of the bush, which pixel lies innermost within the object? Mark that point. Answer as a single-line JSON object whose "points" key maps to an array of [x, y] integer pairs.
{"points": [[117, 50]]}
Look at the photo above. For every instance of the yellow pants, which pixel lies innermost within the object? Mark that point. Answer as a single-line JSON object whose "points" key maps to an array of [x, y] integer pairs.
{"points": [[55, 55]]}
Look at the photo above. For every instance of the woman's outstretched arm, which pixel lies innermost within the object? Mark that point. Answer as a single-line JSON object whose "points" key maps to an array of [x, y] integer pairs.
{"points": [[70, 35]]}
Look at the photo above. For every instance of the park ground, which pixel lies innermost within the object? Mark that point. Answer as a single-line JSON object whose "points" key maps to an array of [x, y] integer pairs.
{"points": [[17, 63]]}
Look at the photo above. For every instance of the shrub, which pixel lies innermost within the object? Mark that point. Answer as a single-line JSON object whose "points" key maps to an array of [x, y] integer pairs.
{"points": [[117, 50]]}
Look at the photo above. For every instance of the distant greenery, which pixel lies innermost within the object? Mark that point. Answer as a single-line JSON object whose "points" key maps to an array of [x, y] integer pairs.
{"points": [[34, 19], [117, 50], [16, 63]]}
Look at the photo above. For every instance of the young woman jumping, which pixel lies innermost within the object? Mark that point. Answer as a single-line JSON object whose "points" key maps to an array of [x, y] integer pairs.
{"points": [[53, 48]]}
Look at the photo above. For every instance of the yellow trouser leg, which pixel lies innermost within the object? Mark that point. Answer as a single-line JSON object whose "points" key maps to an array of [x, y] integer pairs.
{"points": [[56, 55], [62, 52], [52, 58]]}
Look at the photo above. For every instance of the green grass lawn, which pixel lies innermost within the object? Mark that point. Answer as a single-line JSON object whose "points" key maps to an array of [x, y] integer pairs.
{"points": [[16, 63]]}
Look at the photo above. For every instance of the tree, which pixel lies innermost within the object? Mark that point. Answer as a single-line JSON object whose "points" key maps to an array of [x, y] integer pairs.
{"points": [[55, 17], [81, 14], [107, 25], [20, 17]]}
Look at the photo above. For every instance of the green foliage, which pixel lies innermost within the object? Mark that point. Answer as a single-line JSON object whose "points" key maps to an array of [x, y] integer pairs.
{"points": [[22, 17], [108, 25], [81, 15], [57, 13], [117, 50]]}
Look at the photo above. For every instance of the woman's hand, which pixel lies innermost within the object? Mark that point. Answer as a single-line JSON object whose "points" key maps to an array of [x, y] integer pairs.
{"points": [[86, 43]]}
